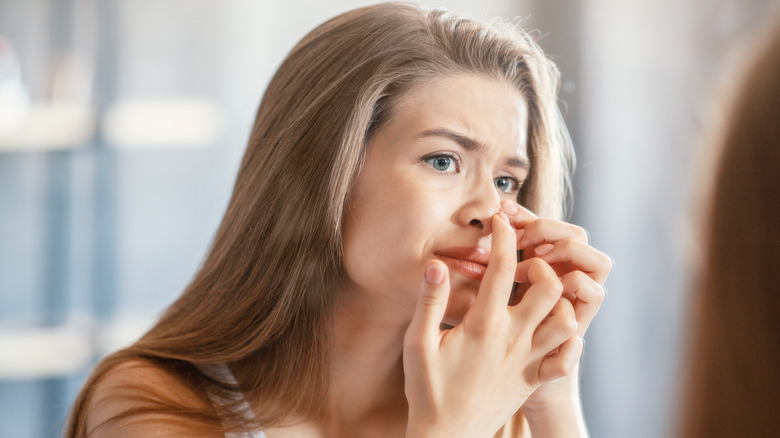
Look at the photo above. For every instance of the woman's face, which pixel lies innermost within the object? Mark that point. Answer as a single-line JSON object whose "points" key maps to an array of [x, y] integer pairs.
{"points": [[434, 176]]}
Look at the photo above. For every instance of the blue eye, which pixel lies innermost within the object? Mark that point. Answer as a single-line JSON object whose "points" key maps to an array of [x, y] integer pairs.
{"points": [[442, 163], [507, 184]]}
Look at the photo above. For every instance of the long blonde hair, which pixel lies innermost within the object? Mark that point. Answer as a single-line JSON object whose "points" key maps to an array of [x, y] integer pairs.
{"points": [[262, 301]]}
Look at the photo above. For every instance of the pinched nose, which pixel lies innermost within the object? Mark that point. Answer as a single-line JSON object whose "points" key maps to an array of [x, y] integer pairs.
{"points": [[478, 211]]}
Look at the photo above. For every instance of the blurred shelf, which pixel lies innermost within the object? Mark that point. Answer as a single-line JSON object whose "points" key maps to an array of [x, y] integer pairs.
{"points": [[162, 123], [39, 353], [29, 352], [127, 124], [50, 126]]}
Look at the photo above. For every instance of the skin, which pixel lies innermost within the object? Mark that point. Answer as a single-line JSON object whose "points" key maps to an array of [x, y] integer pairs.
{"points": [[395, 372], [404, 210]]}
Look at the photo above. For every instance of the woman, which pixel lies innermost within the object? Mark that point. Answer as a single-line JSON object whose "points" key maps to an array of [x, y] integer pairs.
{"points": [[735, 361], [358, 284]]}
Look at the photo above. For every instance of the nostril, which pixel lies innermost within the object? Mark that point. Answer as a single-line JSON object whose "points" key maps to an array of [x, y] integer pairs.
{"points": [[476, 223]]}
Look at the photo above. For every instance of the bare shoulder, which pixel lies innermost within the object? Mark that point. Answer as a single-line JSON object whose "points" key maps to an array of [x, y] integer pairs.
{"points": [[139, 398]]}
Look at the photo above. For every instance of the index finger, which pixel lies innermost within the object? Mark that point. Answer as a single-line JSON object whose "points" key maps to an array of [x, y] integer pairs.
{"points": [[497, 284], [518, 215]]}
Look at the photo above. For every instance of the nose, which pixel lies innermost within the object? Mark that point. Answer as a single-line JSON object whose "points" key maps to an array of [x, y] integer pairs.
{"points": [[481, 204]]}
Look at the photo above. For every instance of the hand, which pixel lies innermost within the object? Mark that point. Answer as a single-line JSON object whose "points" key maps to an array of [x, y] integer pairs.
{"points": [[469, 380], [582, 270]]}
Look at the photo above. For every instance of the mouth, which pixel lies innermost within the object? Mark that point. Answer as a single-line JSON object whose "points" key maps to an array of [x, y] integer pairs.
{"points": [[471, 262]]}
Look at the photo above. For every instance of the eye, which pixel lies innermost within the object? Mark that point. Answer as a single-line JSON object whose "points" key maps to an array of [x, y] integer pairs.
{"points": [[443, 163], [507, 184]]}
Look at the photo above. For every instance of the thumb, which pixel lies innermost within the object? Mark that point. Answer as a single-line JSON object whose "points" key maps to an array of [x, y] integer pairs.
{"points": [[431, 302]]}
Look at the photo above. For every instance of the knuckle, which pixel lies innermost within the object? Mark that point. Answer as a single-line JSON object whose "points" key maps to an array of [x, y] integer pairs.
{"points": [[578, 281], [601, 293], [580, 278], [506, 267], [506, 257], [556, 371], [430, 299], [540, 226], [534, 228], [582, 234], [568, 367], [569, 244], [488, 326], [538, 267], [547, 291], [566, 318], [570, 326], [553, 285]]}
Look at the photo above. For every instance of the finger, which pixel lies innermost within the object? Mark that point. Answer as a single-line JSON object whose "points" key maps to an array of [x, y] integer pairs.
{"points": [[498, 281], [587, 298], [543, 291], [563, 362], [518, 215], [579, 255], [556, 328], [431, 304], [549, 230]]}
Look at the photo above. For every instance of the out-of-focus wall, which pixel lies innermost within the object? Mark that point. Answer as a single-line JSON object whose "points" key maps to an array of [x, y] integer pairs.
{"points": [[640, 79]]}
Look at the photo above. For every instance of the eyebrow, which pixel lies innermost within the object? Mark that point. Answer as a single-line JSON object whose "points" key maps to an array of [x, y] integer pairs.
{"points": [[472, 145]]}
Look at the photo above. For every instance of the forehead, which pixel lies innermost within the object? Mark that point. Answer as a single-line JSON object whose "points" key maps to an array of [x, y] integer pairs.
{"points": [[489, 111]]}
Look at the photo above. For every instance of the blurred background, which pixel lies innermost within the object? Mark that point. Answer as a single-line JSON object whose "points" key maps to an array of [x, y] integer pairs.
{"points": [[122, 123]]}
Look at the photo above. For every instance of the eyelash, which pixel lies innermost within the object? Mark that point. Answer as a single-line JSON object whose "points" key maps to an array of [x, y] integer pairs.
{"points": [[430, 159], [517, 184]]}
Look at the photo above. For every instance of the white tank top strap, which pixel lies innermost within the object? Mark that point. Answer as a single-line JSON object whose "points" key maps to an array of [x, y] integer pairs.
{"points": [[221, 372], [258, 434]]}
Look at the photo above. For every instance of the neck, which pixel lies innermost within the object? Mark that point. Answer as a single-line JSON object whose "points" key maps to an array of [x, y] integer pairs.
{"points": [[367, 380], [366, 396]]}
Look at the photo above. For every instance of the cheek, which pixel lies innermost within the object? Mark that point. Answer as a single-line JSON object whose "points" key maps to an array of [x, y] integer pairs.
{"points": [[387, 236]]}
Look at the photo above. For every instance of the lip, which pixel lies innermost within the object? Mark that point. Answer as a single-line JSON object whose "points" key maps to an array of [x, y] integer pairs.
{"points": [[470, 261]]}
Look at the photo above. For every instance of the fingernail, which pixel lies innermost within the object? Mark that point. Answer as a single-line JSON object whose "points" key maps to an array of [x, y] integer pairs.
{"points": [[434, 274], [543, 249], [509, 207], [504, 217]]}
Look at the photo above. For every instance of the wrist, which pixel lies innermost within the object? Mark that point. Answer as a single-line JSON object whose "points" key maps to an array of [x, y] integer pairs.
{"points": [[431, 428], [550, 409], [557, 412], [423, 426], [554, 398], [428, 430]]}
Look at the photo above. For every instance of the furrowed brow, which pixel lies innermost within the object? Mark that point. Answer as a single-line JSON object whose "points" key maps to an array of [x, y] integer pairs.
{"points": [[520, 163], [471, 145], [465, 142]]}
